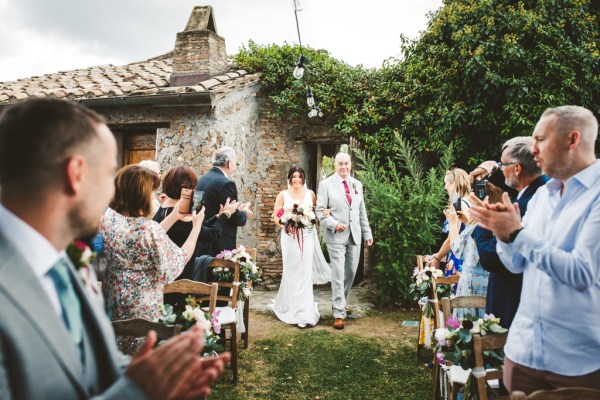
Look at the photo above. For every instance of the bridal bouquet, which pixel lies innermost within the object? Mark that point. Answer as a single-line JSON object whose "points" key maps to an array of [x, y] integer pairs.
{"points": [[191, 315], [249, 271], [454, 343], [295, 218]]}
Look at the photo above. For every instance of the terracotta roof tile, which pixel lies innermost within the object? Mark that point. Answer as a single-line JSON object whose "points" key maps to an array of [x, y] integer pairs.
{"points": [[144, 78]]}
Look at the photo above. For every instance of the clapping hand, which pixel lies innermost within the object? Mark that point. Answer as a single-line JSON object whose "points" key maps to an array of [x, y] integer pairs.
{"points": [[501, 218], [245, 207], [175, 370], [229, 207]]}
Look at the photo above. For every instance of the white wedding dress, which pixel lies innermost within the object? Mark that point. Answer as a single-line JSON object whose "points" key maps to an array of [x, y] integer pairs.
{"points": [[295, 302]]}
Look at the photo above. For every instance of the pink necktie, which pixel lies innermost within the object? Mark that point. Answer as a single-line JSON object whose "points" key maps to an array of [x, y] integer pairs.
{"points": [[347, 192]]}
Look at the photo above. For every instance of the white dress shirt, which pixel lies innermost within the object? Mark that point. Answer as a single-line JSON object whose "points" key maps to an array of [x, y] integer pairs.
{"points": [[557, 325], [35, 249]]}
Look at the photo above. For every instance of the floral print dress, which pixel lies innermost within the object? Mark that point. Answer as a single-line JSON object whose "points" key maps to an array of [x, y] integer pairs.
{"points": [[473, 278], [141, 259]]}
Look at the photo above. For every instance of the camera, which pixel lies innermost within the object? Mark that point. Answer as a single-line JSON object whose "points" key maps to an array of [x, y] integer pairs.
{"points": [[480, 189]]}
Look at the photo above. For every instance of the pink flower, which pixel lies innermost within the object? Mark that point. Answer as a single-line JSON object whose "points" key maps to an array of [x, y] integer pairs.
{"points": [[453, 322]]}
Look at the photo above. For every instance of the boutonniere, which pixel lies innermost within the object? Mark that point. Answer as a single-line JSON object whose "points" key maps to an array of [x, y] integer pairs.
{"points": [[80, 254], [81, 257], [354, 187]]}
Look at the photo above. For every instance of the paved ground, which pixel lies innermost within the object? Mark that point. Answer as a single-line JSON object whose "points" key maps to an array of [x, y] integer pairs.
{"points": [[361, 299]]}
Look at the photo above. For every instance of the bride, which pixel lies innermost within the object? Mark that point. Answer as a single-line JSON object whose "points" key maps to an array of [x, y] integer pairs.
{"points": [[303, 261]]}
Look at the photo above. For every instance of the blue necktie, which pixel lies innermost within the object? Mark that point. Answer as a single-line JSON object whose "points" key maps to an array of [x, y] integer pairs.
{"points": [[69, 302]]}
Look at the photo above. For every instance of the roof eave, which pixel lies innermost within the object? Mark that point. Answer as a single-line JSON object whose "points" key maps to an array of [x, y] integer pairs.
{"points": [[173, 99]]}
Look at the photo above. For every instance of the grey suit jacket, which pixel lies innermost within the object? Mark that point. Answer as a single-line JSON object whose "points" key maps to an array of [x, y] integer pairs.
{"points": [[332, 196], [38, 359]]}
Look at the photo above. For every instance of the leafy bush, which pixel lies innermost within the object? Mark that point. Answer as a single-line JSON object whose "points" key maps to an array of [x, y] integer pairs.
{"points": [[404, 213]]}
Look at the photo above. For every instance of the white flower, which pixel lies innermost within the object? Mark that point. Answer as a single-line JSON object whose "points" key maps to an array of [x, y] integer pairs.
{"points": [[476, 326], [247, 291], [254, 269], [218, 269]]}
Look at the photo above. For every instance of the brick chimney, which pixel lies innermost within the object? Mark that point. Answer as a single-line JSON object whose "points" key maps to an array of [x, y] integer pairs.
{"points": [[199, 50]]}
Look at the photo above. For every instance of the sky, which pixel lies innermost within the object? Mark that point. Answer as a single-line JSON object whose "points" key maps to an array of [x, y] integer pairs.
{"points": [[45, 36]]}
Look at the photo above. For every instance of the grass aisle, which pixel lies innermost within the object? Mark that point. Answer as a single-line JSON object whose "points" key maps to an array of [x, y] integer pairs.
{"points": [[310, 364]]}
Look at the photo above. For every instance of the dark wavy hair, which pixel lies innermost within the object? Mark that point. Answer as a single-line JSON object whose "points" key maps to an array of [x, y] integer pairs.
{"points": [[134, 187], [178, 178], [291, 174]]}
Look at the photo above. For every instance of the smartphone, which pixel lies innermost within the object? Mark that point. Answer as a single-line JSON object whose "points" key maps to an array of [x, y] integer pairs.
{"points": [[197, 200], [457, 202], [185, 207], [480, 189]]}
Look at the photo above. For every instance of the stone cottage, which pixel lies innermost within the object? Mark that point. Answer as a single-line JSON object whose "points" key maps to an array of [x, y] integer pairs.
{"points": [[180, 107]]}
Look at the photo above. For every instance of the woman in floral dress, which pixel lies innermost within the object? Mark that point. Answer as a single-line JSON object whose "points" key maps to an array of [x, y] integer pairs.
{"points": [[141, 258], [473, 278]]}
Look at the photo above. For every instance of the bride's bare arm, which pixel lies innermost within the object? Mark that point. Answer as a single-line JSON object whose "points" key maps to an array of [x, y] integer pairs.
{"points": [[278, 206]]}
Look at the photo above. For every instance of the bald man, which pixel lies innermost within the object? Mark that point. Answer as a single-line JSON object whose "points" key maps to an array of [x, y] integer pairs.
{"points": [[554, 340], [344, 229]]}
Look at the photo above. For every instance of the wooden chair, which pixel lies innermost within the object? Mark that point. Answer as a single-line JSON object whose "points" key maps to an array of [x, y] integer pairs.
{"points": [[480, 345], [571, 393], [200, 290], [245, 335], [439, 321], [227, 314], [139, 327], [456, 376]]}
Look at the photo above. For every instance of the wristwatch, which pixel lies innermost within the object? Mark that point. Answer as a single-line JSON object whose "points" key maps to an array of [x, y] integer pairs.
{"points": [[513, 235]]}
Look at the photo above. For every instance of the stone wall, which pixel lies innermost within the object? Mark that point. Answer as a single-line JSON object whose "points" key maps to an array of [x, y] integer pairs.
{"points": [[266, 146]]}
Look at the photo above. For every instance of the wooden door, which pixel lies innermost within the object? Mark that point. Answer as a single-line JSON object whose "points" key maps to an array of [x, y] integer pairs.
{"points": [[138, 147]]}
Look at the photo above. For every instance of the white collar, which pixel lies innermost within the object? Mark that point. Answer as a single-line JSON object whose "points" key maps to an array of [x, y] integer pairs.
{"points": [[34, 248], [342, 179]]}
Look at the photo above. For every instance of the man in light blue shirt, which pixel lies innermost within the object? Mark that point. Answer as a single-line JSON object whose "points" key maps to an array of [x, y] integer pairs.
{"points": [[554, 340]]}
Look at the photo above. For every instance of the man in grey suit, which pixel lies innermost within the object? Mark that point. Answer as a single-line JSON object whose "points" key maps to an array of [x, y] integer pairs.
{"points": [[57, 161], [345, 227]]}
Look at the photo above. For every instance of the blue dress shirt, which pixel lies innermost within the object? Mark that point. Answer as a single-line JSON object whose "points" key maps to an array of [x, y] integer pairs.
{"points": [[557, 326]]}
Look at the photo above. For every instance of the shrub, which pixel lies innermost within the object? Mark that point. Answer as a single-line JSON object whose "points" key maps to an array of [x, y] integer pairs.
{"points": [[404, 213]]}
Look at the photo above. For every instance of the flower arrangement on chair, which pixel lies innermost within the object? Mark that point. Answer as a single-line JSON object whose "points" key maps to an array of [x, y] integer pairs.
{"points": [[249, 271], [421, 288], [191, 315], [454, 344]]}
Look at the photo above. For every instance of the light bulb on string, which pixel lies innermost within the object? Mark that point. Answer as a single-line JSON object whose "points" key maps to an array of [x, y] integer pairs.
{"points": [[310, 98], [299, 70]]}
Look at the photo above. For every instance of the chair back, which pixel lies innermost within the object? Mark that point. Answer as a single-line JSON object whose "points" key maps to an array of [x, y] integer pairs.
{"points": [[461, 302], [420, 262], [199, 290], [231, 295], [439, 319], [139, 327], [571, 393], [482, 344]]}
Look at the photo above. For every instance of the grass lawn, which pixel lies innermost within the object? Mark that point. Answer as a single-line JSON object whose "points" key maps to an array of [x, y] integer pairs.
{"points": [[320, 363]]}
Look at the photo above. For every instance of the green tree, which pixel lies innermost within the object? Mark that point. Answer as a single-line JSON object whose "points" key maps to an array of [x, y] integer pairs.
{"points": [[484, 71]]}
